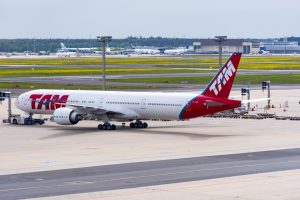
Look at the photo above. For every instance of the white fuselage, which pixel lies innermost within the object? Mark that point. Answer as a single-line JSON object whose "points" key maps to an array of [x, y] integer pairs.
{"points": [[132, 105], [175, 51]]}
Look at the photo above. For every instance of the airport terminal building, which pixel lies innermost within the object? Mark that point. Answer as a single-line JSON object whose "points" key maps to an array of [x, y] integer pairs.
{"points": [[281, 47]]}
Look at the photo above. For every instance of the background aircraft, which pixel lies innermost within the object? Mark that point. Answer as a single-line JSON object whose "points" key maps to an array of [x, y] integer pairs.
{"points": [[76, 50], [177, 51], [144, 50]]}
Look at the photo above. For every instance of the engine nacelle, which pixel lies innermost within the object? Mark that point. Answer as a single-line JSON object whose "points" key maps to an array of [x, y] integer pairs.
{"points": [[66, 116]]}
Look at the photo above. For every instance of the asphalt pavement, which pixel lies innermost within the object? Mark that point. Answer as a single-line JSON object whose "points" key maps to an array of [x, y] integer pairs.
{"points": [[133, 175]]}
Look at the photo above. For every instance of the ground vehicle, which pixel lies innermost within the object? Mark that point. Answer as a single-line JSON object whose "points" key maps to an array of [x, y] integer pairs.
{"points": [[18, 119]]}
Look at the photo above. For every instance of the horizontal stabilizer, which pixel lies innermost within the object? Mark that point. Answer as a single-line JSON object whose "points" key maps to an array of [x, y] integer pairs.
{"points": [[212, 103], [256, 100]]}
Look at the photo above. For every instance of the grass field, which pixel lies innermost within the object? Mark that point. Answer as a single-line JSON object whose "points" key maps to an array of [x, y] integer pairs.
{"points": [[162, 65], [28, 72], [247, 62], [241, 79]]}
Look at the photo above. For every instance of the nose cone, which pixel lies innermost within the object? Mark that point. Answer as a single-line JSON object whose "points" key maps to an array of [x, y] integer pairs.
{"points": [[19, 103]]}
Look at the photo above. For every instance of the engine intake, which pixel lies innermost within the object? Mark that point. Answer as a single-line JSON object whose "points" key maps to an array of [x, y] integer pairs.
{"points": [[66, 116]]}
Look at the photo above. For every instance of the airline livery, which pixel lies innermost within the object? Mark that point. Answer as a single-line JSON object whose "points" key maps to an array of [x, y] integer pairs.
{"points": [[68, 107]]}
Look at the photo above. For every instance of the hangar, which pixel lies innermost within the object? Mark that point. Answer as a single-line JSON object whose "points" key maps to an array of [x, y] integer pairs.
{"points": [[210, 46]]}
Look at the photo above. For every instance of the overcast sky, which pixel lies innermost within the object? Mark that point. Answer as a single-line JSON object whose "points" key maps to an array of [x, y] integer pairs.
{"points": [[167, 18]]}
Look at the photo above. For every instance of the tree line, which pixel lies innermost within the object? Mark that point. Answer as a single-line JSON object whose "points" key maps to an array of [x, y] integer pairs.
{"points": [[52, 45]]}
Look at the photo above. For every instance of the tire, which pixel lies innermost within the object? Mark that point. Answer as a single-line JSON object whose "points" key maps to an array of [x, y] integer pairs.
{"points": [[131, 125], [15, 121], [145, 125], [140, 125], [108, 127], [136, 125], [113, 127], [100, 127]]}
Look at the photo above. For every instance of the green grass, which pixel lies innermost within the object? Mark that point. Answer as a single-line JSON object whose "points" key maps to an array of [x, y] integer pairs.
{"points": [[28, 72], [241, 79], [247, 62], [32, 86]]}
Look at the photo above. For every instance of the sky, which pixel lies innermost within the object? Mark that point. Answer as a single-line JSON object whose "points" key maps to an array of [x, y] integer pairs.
{"points": [[166, 18]]}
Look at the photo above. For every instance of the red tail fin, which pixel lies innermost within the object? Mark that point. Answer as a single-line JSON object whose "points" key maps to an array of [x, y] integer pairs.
{"points": [[220, 85]]}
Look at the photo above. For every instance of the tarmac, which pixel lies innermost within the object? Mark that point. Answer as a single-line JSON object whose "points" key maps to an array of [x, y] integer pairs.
{"points": [[132, 175], [26, 149]]}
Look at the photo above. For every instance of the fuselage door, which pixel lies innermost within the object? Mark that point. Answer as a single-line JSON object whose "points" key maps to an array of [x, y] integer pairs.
{"points": [[143, 104], [101, 102], [189, 106]]}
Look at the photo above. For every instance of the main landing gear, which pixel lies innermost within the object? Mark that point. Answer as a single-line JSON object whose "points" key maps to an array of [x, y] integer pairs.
{"points": [[138, 124], [107, 126]]}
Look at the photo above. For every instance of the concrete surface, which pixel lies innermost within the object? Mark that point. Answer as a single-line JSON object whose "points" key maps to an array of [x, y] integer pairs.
{"points": [[268, 186], [52, 146], [49, 147], [132, 175]]}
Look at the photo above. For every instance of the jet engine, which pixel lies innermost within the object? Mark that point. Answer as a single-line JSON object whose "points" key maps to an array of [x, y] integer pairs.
{"points": [[66, 116]]}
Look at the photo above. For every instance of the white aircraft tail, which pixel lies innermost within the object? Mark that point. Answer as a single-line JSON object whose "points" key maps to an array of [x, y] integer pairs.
{"points": [[63, 46]]}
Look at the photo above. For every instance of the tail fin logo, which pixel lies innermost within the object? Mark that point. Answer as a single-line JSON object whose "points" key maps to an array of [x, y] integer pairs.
{"points": [[223, 77]]}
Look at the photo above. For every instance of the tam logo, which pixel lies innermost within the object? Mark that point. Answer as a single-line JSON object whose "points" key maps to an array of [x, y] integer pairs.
{"points": [[223, 77], [49, 101]]}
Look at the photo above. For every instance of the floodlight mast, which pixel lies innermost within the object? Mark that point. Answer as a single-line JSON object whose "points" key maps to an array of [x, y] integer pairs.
{"points": [[220, 40], [104, 41]]}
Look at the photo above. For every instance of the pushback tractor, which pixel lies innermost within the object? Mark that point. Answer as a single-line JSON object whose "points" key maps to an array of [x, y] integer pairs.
{"points": [[17, 119]]}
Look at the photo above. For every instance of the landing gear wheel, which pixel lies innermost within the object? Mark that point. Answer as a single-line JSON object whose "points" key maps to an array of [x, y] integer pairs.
{"points": [[100, 127], [145, 125], [138, 124], [131, 125], [107, 126]]}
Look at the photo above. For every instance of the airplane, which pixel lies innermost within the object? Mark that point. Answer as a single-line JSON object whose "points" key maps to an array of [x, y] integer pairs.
{"points": [[75, 50], [178, 51], [68, 107], [140, 51], [65, 54]]}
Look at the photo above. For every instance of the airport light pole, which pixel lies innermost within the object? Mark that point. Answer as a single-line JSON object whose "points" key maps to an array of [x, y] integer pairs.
{"points": [[220, 40], [104, 41], [246, 91], [267, 85]]}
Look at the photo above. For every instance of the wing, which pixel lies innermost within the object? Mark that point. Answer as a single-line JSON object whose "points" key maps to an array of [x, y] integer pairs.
{"points": [[99, 113], [96, 111]]}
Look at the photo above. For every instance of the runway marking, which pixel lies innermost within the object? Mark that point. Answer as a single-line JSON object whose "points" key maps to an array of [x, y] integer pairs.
{"points": [[145, 176]]}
